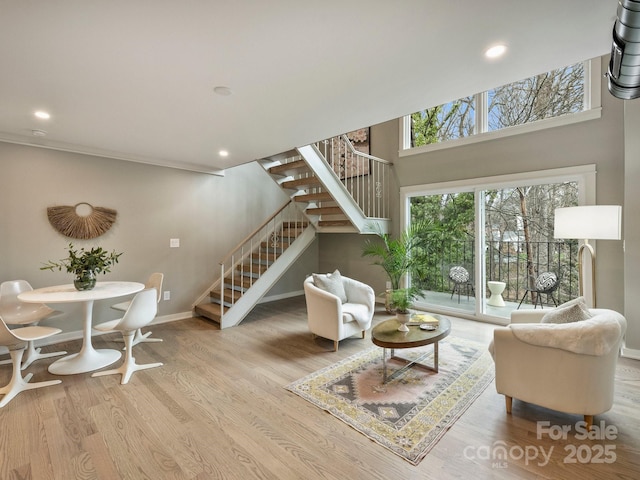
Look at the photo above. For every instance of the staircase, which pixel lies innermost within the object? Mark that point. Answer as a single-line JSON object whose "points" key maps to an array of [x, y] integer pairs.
{"points": [[249, 271], [331, 186], [341, 190]]}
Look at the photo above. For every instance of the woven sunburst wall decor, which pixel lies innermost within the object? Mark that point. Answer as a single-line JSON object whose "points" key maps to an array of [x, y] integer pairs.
{"points": [[66, 220]]}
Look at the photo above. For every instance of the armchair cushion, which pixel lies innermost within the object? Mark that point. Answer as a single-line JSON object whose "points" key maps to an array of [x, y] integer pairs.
{"points": [[571, 311], [595, 336], [332, 283]]}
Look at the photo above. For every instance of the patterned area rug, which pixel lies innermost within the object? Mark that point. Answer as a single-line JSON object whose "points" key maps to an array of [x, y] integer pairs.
{"points": [[411, 412]]}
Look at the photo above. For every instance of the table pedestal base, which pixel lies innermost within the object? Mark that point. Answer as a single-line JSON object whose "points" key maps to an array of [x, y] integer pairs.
{"points": [[88, 360], [409, 363]]}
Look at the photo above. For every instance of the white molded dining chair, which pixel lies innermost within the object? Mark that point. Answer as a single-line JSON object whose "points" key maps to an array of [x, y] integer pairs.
{"points": [[15, 340], [141, 312], [154, 281], [15, 312]]}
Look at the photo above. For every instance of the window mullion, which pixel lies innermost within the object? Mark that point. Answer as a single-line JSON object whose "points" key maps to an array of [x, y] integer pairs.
{"points": [[482, 113]]}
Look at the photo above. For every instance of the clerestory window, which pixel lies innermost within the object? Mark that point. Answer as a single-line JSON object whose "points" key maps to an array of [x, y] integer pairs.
{"points": [[530, 104]]}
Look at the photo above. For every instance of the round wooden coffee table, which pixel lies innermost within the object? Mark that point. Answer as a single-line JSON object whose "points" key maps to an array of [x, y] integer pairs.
{"points": [[387, 335]]}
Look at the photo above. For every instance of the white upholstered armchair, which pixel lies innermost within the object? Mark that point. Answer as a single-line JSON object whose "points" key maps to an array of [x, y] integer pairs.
{"points": [[568, 367], [340, 314]]}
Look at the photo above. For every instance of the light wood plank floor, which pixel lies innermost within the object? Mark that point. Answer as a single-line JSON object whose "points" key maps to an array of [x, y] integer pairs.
{"points": [[218, 409]]}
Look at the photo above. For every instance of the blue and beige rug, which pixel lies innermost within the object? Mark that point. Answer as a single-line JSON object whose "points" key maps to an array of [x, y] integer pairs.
{"points": [[410, 413]]}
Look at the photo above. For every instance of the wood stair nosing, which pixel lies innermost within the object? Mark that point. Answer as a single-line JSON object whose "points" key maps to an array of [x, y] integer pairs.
{"points": [[239, 282], [251, 269], [295, 224], [265, 257], [290, 233], [229, 296], [210, 311], [310, 197], [299, 182], [286, 167], [324, 211], [334, 223], [269, 247]]}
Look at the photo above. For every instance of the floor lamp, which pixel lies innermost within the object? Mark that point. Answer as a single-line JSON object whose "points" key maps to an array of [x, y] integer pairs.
{"points": [[588, 222]]}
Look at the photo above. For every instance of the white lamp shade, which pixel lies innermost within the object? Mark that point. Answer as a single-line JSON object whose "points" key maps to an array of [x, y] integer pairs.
{"points": [[597, 222]]}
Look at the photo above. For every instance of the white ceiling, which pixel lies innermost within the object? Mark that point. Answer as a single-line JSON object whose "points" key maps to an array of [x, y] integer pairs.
{"points": [[134, 79]]}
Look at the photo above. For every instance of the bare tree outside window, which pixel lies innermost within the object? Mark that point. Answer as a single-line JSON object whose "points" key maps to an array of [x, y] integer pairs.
{"points": [[552, 94], [444, 122]]}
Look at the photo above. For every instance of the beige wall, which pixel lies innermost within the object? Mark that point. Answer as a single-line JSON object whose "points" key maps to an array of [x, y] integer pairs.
{"points": [[209, 214]]}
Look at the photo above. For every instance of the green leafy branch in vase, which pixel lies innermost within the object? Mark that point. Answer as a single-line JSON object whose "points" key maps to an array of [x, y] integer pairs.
{"points": [[96, 260]]}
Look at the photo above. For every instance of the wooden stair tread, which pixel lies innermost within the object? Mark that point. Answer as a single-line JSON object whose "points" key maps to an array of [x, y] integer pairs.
{"points": [[324, 211], [310, 197], [290, 233], [239, 281], [268, 246], [264, 256], [334, 223], [251, 268], [210, 311], [285, 167], [299, 182], [230, 296]]}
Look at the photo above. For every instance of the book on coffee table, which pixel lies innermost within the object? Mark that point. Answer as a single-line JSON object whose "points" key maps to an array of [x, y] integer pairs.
{"points": [[421, 318]]}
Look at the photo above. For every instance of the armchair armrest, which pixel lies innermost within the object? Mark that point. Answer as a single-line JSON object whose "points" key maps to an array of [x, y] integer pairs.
{"points": [[527, 316], [358, 292]]}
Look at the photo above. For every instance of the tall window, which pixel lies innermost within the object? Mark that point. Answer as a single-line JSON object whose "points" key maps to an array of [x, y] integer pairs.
{"points": [[549, 95], [501, 230]]}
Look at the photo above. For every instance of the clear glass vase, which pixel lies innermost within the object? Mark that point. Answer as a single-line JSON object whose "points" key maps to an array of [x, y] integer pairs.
{"points": [[85, 280]]}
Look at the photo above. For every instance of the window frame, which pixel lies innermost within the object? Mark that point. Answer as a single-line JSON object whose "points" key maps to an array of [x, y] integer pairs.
{"points": [[592, 110], [583, 175]]}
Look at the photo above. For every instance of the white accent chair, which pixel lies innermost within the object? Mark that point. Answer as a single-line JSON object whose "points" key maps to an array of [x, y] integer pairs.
{"points": [[15, 312], [568, 367], [15, 340], [141, 312], [329, 318], [154, 281]]}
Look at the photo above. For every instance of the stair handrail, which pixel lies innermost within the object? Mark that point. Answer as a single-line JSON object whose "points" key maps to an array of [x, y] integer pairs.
{"points": [[245, 248], [357, 152], [254, 232], [372, 195]]}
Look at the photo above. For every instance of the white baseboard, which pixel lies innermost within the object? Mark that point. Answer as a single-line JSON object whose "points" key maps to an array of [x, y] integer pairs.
{"points": [[631, 353]]}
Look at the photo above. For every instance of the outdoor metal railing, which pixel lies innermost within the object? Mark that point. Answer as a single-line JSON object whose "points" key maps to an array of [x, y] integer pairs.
{"points": [[507, 262]]}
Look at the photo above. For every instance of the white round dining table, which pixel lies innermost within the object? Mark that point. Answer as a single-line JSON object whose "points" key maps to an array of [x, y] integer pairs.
{"points": [[89, 358]]}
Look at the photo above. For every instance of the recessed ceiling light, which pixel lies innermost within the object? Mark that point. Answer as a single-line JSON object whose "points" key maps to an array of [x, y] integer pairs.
{"points": [[42, 114], [223, 153], [495, 51], [221, 90]]}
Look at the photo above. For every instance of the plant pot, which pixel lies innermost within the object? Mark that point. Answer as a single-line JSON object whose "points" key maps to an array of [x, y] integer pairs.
{"points": [[403, 318], [85, 280]]}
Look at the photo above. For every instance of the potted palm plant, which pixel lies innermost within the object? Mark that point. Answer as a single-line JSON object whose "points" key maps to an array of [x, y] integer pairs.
{"points": [[85, 264], [400, 256]]}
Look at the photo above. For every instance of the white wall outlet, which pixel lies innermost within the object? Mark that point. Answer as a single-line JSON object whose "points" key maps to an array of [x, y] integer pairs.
{"points": [[174, 242], [167, 295]]}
